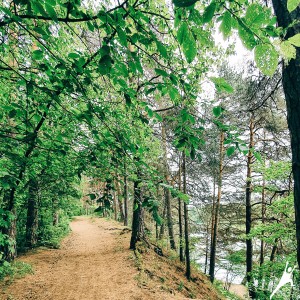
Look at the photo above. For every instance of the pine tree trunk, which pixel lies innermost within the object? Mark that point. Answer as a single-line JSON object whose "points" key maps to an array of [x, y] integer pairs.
{"points": [[206, 246], [32, 214], [115, 205], [186, 224], [125, 198], [213, 249], [291, 86], [138, 217], [263, 214], [162, 226], [169, 219], [181, 249], [213, 211], [249, 245], [119, 199], [167, 191]]}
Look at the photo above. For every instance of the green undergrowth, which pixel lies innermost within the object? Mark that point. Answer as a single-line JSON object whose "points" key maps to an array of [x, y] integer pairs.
{"points": [[219, 285], [51, 236], [11, 271]]}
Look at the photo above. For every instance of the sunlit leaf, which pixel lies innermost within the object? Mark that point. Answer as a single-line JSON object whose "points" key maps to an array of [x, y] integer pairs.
{"points": [[184, 3], [266, 58]]}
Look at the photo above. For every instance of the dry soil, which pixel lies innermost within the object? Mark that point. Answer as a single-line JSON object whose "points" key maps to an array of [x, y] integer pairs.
{"points": [[93, 262]]}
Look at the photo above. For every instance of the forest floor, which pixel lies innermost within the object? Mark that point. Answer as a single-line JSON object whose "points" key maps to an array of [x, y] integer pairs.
{"points": [[94, 262]]}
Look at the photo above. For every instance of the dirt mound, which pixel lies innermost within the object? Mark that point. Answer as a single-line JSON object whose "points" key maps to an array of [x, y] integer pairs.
{"points": [[166, 273], [94, 262]]}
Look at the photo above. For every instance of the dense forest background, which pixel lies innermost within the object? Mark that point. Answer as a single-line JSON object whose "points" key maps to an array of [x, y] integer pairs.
{"points": [[132, 111]]}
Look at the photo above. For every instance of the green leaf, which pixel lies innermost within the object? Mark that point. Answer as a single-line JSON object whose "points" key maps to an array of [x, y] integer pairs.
{"points": [[184, 3], [246, 36], [158, 117], [51, 2], [162, 49], [157, 217], [288, 51], [255, 15], [37, 54], [92, 196], [177, 193], [90, 26], [173, 93], [189, 47], [105, 65], [193, 153], [149, 111], [292, 4], [217, 111], [161, 72], [105, 50], [225, 26], [209, 12], [230, 151], [266, 58], [222, 85], [42, 32], [257, 156], [127, 100], [51, 12], [182, 32], [38, 8], [73, 55], [295, 40], [122, 36]]}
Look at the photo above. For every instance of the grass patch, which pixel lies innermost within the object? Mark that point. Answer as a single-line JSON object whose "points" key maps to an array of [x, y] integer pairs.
{"points": [[228, 295], [11, 271]]}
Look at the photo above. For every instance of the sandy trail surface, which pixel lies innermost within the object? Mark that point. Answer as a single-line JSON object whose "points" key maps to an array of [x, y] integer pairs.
{"points": [[94, 262]]}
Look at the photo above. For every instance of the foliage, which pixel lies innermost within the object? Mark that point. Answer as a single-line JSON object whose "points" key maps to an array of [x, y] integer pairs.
{"points": [[51, 236], [86, 85], [15, 270]]}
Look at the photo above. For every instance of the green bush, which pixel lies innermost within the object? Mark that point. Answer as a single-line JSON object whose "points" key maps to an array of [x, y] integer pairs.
{"points": [[51, 236], [15, 270]]}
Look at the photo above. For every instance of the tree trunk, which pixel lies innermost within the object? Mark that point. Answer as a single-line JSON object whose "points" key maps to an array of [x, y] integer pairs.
{"points": [[9, 227], [291, 86], [274, 250], [32, 214], [138, 217], [115, 205], [167, 191], [181, 250], [206, 246], [263, 214], [169, 219], [249, 246], [186, 224], [119, 198], [212, 261], [162, 226], [213, 211], [125, 198]]}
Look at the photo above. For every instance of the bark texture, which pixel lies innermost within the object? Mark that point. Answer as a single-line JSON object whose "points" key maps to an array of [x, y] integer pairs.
{"points": [[215, 214], [249, 245], [291, 86], [32, 215], [137, 218], [186, 225]]}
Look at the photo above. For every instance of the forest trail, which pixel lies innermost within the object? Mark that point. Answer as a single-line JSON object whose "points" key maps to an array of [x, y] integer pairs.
{"points": [[94, 262]]}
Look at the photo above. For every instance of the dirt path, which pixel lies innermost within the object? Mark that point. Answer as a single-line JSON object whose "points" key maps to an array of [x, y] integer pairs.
{"points": [[93, 263]]}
